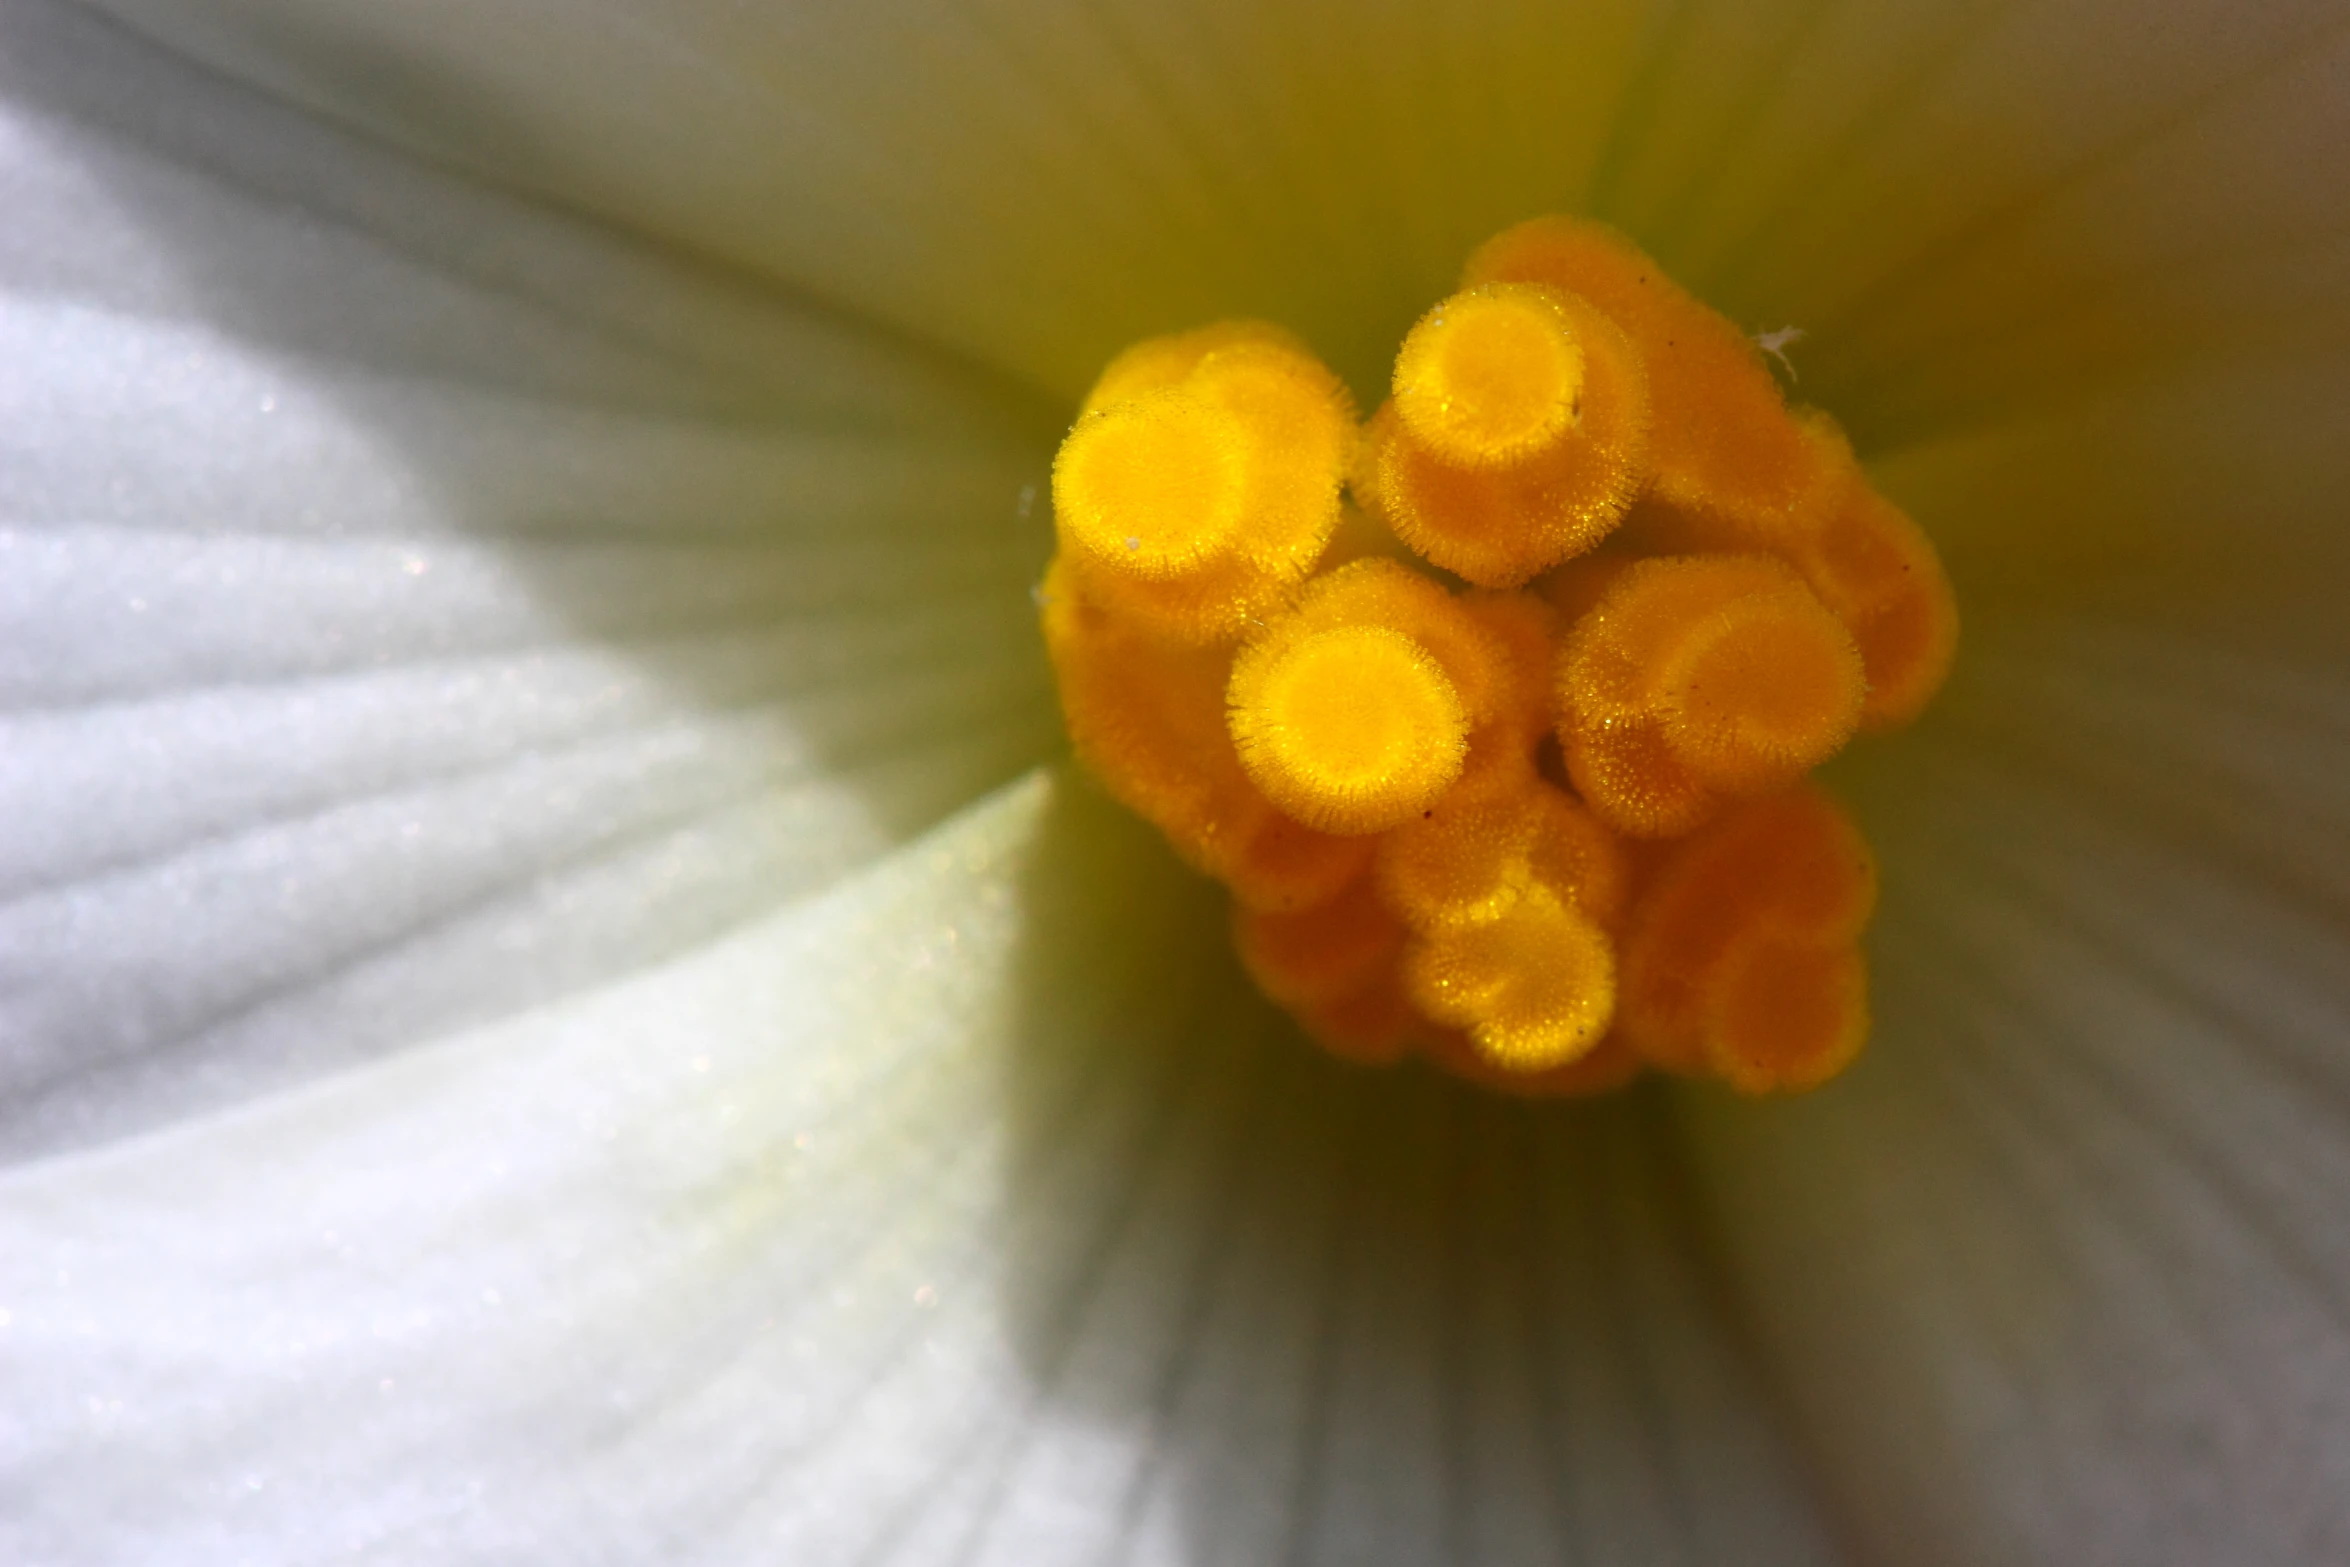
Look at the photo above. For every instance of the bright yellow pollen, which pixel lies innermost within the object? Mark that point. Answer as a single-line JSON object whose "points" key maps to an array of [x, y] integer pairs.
{"points": [[1353, 729], [1151, 487], [1428, 802], [1498, 513], [1533, 989], [1491, 377], [1201, 483]]}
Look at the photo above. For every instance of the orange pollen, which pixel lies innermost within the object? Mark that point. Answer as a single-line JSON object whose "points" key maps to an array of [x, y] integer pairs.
{"points": [[1552, 828]]}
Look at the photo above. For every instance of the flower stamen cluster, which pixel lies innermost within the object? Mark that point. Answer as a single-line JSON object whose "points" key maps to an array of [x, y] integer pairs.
{"points": [[1495, 712]]}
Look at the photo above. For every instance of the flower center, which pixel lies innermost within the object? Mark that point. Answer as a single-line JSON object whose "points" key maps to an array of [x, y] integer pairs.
{"points": [[1494, 712]]}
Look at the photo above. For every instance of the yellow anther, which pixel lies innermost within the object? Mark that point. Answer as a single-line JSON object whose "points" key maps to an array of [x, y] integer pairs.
{"points": [[1787, 1015], [1374, 1025], [1862, 557], [1635, 780], [1524, 632], [1350, 729], [1274, 862], [1870, 565], [1210, 607], [1366, 758], [1723, 443], [1533, 989], [1765, 689], [1500, 830], [1157, 363], [1702, 676], [1148, 719], [1491, 377], [1465, 859], [1151, 487], [1578, 858], [1203, 480], [1301, 436], [1500, 522], [1575, 589], [1741, 955], [1379, 592]]}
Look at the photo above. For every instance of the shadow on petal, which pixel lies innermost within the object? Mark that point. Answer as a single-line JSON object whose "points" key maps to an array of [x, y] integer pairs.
{"points": [[1281, 1309], [459, 603]]}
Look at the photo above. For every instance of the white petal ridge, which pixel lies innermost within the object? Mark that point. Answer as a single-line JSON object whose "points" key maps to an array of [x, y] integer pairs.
{"points": [[2059, 1273], [923, 1222], [417, 605]]}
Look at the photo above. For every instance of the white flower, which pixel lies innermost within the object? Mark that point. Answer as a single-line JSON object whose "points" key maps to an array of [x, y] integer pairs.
{"points": [[555, 1007]]}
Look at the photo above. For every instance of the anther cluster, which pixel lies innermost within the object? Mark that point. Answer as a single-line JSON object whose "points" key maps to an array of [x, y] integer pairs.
{"points": [[1495, 713]]}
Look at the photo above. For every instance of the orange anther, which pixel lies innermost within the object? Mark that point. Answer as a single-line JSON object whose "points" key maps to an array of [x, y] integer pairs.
{"points": [[1723, 443], [1319, 954], [1702, 676], [1533, 989], [1499, 522], [1764, 906]]}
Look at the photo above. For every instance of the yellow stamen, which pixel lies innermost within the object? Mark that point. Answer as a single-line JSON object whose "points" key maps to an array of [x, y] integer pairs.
{"points": [[1466, 858], [1741, 958], [1491, 377], [1684, 597], [1700, 678], [1723, 444], [1386, 593], [1352, 729], [1869, 564], [1860, 554], [1334, 966], [1148, 719], [1202, 481], [1158, 363], [1374, 1025], [1579, 859], [1523, 633], [1515, 507], [1151, 487], [1275, 862], [1534, 989], [1605, 1067]]}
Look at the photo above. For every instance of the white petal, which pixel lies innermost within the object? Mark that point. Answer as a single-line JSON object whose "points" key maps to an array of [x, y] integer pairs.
{"points": [[2203, 501], [402, 624], [2059, 1273], [1964, 205], [1035, 185], [970, 1211], [1971, 208]]}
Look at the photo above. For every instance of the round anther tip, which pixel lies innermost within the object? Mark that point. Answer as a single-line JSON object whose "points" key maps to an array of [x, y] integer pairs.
{"points": [[1351, 729], [1491, 377], [1768, 692], [1151, 488]]}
